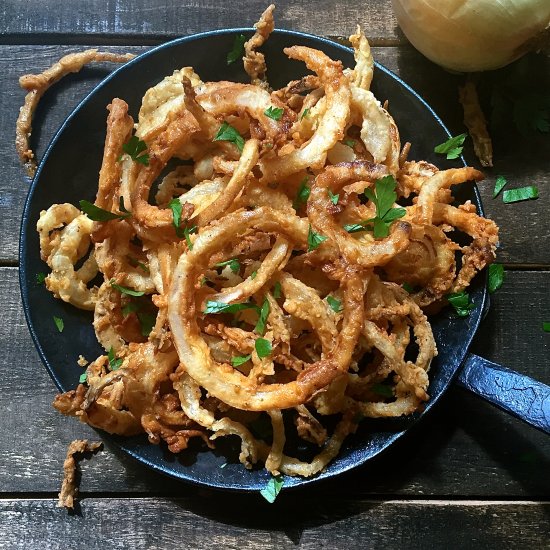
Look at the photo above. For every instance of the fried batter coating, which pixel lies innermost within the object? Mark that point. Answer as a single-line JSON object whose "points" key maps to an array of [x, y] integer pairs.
{"points": [[69, 487]]}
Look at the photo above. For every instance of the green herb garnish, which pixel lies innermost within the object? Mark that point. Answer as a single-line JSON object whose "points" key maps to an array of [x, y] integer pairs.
{"points": [[237, 50], [134, 148], [349, 143], [124, 290], [303, 194], [496, 277], [130, 307], [228, 133], [220, 307], [274, 112], [98, 214], [83, 378], [147, 322], [59, 323], [240, 360], [408, 288], [305, 113], [277, 290], [452, 147], [499, 185], [114, 363], [384, 197], [335, 304], [333, 198], [234, 265], [314, 239], [40, 278], [382, 390], [134, 262], [263, 347], [520, 194], [253, 274], [262, 319], [461, 303], [273, 488]]}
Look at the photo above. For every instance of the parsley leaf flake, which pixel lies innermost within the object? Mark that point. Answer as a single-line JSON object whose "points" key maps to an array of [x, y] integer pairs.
{"points": [[452, 147], [228, 133], [496, 277], [237, 50], [274, 112], [273, 488]]}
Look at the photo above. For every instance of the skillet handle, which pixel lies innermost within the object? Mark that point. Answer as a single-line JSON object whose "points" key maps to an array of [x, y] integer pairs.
{"points": [[510, 391]]}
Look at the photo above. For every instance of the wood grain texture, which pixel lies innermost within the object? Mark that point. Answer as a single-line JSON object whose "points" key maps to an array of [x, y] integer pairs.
{"points": [[524, 234], [141, 21], [465, 448], [154, 524]]}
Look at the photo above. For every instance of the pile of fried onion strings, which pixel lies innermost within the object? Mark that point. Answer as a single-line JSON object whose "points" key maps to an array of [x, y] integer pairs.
{"points": [[272, 283]]}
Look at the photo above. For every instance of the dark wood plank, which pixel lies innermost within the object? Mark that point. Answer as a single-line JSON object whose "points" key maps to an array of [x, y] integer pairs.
{"points": [[527, 162], [465, 448], [140, 21], [204, 523]]}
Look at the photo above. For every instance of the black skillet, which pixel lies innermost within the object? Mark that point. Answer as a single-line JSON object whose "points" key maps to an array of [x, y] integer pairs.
{"points": [[69, 171]]}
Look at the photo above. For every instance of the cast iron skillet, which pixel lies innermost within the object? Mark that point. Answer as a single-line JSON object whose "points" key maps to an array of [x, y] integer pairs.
{"points": [[69, 172]]}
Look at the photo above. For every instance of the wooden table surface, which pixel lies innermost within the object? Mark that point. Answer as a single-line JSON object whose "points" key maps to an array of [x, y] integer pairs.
{"points": [[467, 476]]}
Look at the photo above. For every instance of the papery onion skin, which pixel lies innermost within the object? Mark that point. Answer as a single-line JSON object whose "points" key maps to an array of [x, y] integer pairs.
{"points": [[472, 35]]}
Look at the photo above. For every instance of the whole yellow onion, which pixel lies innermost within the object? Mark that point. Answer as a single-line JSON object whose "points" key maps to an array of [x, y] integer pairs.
{"points": [[473, 35]]}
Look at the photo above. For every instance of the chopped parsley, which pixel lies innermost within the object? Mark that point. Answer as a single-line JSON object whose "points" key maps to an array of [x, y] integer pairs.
{"points": [[382, 390], [228, 133], [147, 322], [253, 274], [461, 303], [99, 214], [234, 264], [305, 113], [274, 112], [176, 207], [59, 323], [273, 488], [134, 262], [520, 194], [83, 378], [114, 363], [499, 186], [303, 194], [334, 303], [124, 290], [277, 290], [496, 277], [349, 143], [408, 288], [384, 197], [134, 148], [333, 198], [263, 347], [130, 307], [240, 360], [237, 50], [314, 239], [262, 319], [40, 278], [452, 147], [220, 307]]}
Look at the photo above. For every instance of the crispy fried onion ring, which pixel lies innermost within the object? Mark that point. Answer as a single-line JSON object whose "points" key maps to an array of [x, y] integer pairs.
{"points": [[37, 85], [271, 305], [65, 239]]}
